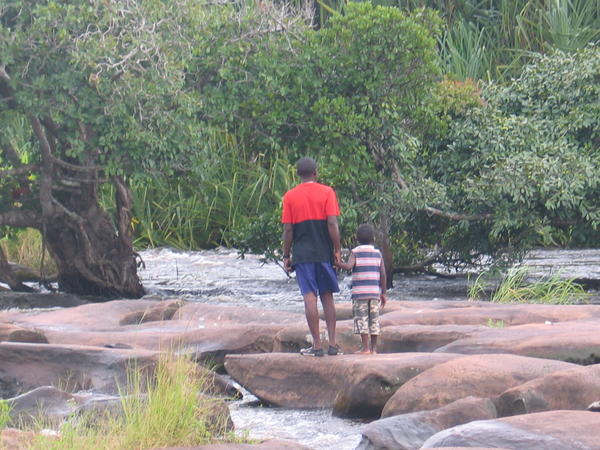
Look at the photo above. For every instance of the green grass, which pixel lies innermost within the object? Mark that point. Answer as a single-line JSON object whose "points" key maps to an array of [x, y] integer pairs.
{"points": [[25, 247], [164, 410], [4, 414], [495, 323], [553, 290]]}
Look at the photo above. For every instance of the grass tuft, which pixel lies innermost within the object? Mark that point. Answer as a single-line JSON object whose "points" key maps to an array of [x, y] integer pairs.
{"points": [[553, 290], [164, 410]]}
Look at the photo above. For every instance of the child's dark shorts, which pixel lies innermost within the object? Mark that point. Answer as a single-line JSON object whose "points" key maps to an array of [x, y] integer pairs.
{"points": [[366, 316], [316, 277]]}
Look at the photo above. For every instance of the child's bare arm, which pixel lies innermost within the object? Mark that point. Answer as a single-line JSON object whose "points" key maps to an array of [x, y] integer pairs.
{"points": [[382, 284], [348, 265]]}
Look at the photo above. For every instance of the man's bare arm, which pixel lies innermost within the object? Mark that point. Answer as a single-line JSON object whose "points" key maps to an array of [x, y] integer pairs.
{"points": [[288, 237], [334, 234]]}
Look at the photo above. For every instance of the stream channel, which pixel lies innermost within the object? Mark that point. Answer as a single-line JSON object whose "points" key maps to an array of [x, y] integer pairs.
{"points": [[220, 277]]}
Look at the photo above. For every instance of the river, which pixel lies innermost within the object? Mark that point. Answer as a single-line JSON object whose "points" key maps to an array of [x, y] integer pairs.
{"points": [[220, 277]]}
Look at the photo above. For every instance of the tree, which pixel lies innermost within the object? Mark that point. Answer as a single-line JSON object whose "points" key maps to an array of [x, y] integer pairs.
{"points": [[91, 92]]}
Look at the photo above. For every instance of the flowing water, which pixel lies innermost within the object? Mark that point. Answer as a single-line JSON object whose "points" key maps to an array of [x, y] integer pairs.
{"points": [[220, 277]]}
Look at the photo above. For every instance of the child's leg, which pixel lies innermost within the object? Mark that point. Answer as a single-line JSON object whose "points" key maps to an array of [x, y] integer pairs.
{"points": [[374, 328], [365, 345], [360, 311], [374, 343]]}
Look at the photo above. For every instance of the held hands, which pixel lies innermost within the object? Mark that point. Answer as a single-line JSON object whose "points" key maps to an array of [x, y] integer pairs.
{"points": [[382, 300], [287, 264]]}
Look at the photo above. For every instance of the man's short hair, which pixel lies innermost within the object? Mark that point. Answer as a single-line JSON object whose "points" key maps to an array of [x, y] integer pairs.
{"points": [[365, 234], [306, 167]]}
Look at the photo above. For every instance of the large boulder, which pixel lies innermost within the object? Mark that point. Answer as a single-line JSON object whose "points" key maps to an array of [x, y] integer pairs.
{"points": [[550, 430], [569, 389], [218, 315], [163, 311], [409, 431], [479, 375], [72, 367], [571, 341], [355, 385], [292, 338]]}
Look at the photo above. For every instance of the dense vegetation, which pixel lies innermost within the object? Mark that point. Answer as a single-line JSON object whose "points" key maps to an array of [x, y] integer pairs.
{"points": [[466, 131]]}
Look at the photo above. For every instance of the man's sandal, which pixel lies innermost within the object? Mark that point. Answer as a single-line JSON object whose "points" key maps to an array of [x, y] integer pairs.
{"points": [[334, 350], [310, 351]]}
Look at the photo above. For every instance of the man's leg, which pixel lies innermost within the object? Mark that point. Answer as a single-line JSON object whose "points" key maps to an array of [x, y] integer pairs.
{"points": [[312, 318], [329, 313]]}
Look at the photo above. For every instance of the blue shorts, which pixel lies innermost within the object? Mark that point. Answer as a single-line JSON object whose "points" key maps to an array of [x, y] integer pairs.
{"points": [[316, 277]]}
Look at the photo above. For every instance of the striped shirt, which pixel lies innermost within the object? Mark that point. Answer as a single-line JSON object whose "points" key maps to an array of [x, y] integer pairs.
{"points": [[366, 272]]}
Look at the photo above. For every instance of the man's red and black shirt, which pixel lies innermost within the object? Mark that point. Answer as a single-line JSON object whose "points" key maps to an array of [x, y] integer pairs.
{"points": [[307, 207]]}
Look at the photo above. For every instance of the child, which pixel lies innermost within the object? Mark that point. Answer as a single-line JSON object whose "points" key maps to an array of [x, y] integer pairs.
{"points": [[368, 287]]}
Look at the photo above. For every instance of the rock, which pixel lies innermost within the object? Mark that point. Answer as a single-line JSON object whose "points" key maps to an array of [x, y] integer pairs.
{"points": [[568, 389], [163, 311], [343, 310], [479, 375], [269, 444], [216, 415], [595, 407], [13, 333], [292, 338], [409, 431], [550, 430], [217, 315], [92, 316], [477, 314], [28, 300], [355, 385], [422, 338], [571, 341], [216, 384], [73, 368], [51, 405]]}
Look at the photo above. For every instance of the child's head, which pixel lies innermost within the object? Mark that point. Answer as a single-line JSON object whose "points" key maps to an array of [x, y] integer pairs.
{"points": [[365, 234]]}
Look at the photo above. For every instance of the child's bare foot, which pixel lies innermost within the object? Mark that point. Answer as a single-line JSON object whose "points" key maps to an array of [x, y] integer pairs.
{"points": [[373, 352], [362, 352]]}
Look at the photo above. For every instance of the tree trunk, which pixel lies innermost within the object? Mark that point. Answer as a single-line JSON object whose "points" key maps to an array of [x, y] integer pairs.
{"points": [[93, 258], [383, 243], [7, 276]]}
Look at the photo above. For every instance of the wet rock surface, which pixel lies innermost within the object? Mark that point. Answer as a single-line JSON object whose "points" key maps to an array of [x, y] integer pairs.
{"points": [[551, 430], [410, 431]]}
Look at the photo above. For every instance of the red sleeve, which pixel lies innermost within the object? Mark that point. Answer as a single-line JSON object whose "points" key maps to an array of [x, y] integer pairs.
{"points": [[286, 213], [331, 204]]}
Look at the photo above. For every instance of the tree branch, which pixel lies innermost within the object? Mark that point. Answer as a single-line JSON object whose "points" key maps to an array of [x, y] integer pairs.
{"points": [[455, 216], [18, 171]]}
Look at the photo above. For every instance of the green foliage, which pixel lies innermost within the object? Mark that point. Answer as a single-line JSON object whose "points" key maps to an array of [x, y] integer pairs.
{"points": [[513, 288], [528, 158], [25, 247], [4, 414], [163, 411], [491, 323]]}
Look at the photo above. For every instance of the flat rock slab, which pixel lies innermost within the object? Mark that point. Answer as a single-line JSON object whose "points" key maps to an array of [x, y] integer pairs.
{"points": [[217, 315], [569, 389], [423, 338], [571, 341], [551, 430], [270, 444], [71, 367], [478, 314], [356, 384], [410, 431], [478, 375], [29, 300], [93, 316]]}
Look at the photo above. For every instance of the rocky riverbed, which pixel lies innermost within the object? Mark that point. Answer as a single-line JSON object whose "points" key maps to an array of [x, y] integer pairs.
{"points": [[451, 372]]}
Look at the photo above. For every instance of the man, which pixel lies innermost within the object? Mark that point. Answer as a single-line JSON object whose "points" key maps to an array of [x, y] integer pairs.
{"points": [[311, 242]]}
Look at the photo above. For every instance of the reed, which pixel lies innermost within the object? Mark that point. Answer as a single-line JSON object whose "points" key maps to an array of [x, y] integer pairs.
{"points": [[514, 288], [4, 414], [162, 411], [25, 247]]}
